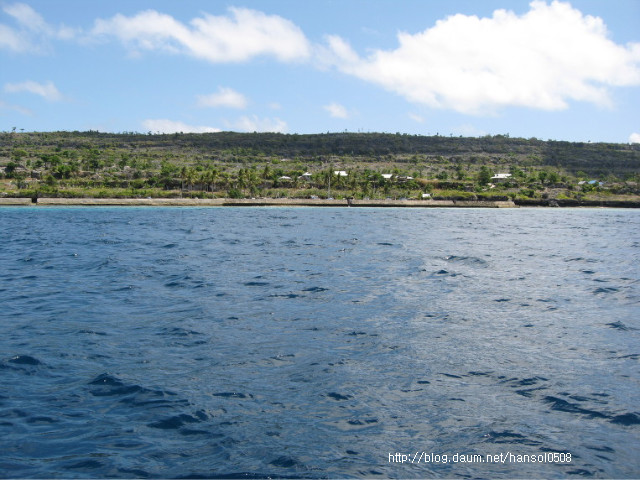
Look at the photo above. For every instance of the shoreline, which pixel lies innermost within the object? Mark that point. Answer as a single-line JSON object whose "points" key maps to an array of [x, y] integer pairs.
{"points": [[254, 202], [301, 202]]}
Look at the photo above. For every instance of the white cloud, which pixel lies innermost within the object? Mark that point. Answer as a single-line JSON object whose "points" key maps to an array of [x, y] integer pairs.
{"points": [[634, 138], [226, 97], [32, 32], [255, 124], [468, 130], [245, 124], [416, 118], [242, 35], [48, 90], [11, 39], [170, 126], [336, 110], [27, 16], [543, 59], [16, 108]]}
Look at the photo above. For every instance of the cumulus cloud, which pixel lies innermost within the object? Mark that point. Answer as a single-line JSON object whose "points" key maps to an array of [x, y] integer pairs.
{"points": [[170, 126], [255, 124], [543, 59], [238, 37], [634, 138], [31, 32], [336, 110], [48, 90], [226, 97]]}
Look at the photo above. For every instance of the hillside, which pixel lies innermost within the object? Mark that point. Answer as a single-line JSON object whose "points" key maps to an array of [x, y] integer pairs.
{"points": [[270, 164]]}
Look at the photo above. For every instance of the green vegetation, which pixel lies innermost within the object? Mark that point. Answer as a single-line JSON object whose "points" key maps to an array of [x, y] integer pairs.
{"points": [[375, 166]]}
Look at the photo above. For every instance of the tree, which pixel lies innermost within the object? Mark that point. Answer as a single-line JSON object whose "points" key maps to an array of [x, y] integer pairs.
{"points": [[484, 176], [10, 169], [92, 159], [208, 178], [20, 180], [517, 172], [190, 178], [50, 181], [553, 177], [205, 180], [19, 154]]}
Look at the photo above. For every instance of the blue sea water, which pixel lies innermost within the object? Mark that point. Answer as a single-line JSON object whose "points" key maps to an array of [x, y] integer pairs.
{"points": [[319, 342]]}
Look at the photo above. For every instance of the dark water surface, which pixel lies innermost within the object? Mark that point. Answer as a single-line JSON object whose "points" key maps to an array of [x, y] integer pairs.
{"points": [[318, 342]]}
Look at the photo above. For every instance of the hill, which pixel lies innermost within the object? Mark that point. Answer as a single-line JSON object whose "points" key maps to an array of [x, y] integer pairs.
{"points": [[272, 164]]}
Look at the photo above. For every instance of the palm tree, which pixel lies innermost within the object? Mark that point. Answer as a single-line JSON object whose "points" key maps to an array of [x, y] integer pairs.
{"points": [[205, 180], [214, 174], [242, 179], [224, 176], [188, 176], [183, 177], [266, 173]]}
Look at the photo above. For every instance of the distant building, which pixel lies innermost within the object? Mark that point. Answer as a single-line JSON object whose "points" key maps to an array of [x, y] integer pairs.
{"points": [[403, 179], [340, 173], [387, 176], [305, 176], [500, 177]]}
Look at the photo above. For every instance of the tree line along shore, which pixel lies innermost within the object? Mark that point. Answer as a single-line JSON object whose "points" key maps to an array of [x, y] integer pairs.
{"points": [[347, 168]]}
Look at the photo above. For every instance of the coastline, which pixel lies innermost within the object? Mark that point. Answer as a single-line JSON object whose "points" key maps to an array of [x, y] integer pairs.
{"points": [[258, 202], [302, 202]]}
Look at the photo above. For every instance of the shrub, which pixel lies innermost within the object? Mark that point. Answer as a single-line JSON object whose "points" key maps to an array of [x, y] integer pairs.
{"points": [[235, 193]]}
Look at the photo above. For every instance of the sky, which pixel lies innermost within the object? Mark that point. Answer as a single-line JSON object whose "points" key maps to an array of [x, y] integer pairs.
{"points": [[552, 70]]}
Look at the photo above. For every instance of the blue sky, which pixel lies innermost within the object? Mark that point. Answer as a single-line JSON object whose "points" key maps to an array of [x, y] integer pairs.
{"points": [[551, 70]]}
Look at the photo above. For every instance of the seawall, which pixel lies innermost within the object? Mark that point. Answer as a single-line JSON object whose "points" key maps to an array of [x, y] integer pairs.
{"points": [[257, 202]]}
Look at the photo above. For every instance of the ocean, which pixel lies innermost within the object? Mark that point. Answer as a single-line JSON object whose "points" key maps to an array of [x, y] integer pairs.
{"points": [[268, 342]]}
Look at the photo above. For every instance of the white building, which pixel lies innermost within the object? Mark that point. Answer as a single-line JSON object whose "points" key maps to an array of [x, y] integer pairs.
{"points": [[500, 177]]}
